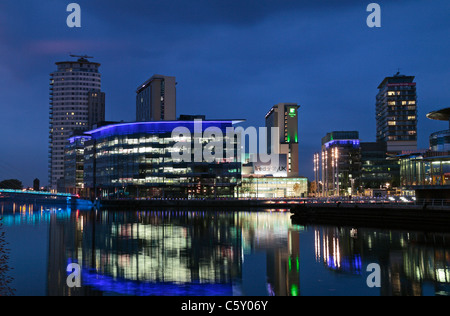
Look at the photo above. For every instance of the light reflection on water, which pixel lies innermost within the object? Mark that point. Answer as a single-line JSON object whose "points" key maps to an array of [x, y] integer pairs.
{"points": [[214, 253]]}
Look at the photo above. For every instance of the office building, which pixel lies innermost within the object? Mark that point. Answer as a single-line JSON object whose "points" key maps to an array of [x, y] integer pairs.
{"points": [[96, 108], [378, 170], [36, 185], [284, 116], [76, 103], [396, 113], [135, 160], [267, 180], [74, 164], [426, 174], [156, 99], [341, 163]]}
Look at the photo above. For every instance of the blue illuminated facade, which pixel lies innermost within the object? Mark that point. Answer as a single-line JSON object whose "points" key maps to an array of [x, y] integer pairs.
{"points": [[135, 160]]}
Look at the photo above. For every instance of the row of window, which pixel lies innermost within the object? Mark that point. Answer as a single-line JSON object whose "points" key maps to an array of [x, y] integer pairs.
{"points": [[76, 73]]}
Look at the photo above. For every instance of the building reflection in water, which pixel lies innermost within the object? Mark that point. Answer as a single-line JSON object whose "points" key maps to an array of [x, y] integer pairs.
{"points": [[412, 263], [338, 249], [226, 253], [169, 252]]}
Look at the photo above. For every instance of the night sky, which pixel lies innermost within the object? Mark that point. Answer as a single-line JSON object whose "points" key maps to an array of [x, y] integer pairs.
{"points": [[232, 59]]}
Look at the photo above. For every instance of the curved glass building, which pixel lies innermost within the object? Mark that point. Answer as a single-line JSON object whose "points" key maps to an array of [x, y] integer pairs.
{"points": [[440, 141], [163, 159]]}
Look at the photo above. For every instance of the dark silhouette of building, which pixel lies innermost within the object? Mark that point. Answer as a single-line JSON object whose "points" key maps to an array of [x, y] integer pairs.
{"points": [[36, 185]]}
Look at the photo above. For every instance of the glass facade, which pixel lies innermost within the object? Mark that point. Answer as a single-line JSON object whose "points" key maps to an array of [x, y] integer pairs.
{"points": [[440, 141], [74, 164], [429, 169], [137, 160], [274, 187], [378, 169]]}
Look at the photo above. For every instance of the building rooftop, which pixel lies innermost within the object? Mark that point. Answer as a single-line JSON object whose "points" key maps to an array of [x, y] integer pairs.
{"points": [[340, 135], [156, 126], [397, 78], [147, 83], [441, 115], [80, 60]]}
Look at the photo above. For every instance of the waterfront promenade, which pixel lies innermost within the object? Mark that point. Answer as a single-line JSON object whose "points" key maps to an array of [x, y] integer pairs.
{"points": [[429, 215]]}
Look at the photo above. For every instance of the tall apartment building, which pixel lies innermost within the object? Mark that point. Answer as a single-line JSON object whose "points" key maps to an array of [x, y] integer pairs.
{"points": [[396, 113], [284, 116], [76, 103], [156, 99]]}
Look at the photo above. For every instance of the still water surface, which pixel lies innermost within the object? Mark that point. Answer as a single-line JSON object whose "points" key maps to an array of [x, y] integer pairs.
{"points": [[202, 252]]}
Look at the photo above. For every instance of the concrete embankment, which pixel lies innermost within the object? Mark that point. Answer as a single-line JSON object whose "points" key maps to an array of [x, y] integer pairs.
{"points": [[223, 204], [413, 217]]}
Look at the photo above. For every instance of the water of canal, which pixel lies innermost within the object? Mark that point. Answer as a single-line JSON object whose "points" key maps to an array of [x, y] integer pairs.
{"points": [[209, 252]]}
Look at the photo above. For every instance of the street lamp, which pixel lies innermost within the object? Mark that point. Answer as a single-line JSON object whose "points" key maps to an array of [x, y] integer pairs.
{"points": [[335, 154], [316, 171]]}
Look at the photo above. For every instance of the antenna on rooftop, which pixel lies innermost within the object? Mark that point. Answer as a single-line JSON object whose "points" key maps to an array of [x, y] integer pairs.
{"points": [[81, 56]]}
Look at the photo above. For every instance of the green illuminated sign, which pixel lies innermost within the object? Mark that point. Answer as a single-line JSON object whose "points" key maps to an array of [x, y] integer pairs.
{"points": [[292, 112]]}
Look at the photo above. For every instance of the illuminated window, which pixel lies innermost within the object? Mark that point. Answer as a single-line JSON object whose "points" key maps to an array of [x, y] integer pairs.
{"points": [[390, 93], [392, 123], [411, 117], [391, 102]]}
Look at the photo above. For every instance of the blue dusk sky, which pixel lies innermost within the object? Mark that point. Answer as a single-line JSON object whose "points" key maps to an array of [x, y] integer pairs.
{"points": [[232, 59]]}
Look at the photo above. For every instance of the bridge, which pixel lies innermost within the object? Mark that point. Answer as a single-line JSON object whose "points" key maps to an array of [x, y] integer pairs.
{"points": [[39, 197]]}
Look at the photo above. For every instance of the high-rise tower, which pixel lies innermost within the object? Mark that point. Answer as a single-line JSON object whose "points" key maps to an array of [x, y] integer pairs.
{"points": [[396, 113], [156, 99], [76, 103], [284, 116]]}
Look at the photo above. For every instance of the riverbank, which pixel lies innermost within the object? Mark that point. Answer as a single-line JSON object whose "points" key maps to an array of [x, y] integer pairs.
{"points": [[388, 216], [200, 203]]}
